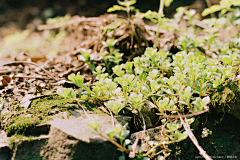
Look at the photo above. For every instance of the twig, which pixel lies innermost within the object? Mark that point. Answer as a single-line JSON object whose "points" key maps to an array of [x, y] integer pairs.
{"points": [[15, 150], [32, 138], [82, 108], [111, 117], [133, 148], [144, 124], [32, 63], [71, 21], [159, 144], [193, 139], [188, 115], [162, 142], [44, 64], [162, 132], [31, 77], [8, 71]]}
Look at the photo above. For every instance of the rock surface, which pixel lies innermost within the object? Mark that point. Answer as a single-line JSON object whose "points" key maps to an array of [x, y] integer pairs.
{"points": [[74, 139], [69, 139]]}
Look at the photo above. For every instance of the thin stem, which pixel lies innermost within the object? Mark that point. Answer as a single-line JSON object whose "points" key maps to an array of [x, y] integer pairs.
{"points": [[113, 125], [144, 124], [82, 108], [106, 63], [113, 142], [160, 12]]}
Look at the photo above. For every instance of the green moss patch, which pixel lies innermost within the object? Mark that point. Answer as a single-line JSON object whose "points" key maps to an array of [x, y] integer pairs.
{"points": [[224, 97], [23, 122], [41, 110]]}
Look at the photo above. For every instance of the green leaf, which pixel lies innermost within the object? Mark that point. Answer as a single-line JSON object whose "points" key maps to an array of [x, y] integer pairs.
{"points": [[178, 58], [163, 104], [186, 94], [118, 129], [143, 76], [154, 86], [172, 126], [150, 52], [67, 93], [170, 81], [154, 73], [125, 133], [205, 101], [88, 89], [118, 70], [95, 90], [127, 3], [151, 15], [135, 98], [115, 105], [110, 132], [76, 79], [201, 59], [115, 8], [86, 54], [190, 120], [167, 3], [128, 67], [83, 97], [212, 9], [226, 60], [180, 136], [93, 123], [216, 83], [200, 103]]}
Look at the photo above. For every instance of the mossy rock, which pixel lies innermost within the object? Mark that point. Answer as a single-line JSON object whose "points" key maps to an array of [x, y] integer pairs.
{"points": [[226, 97], [41, 110]]}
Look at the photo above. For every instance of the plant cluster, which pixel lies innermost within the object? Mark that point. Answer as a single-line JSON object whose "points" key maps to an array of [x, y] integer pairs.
{"points": [[175, 83], [193, 76]]}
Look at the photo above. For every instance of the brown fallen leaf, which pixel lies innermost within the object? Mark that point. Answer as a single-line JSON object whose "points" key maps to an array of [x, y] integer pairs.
{"points": [[5, 80]]}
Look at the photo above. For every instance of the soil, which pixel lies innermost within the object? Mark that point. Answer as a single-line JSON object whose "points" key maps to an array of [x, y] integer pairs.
{"points": [[223, 143]]}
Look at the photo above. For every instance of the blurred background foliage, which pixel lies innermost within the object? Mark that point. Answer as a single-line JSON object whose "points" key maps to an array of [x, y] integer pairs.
{"points": [[19, 13]]}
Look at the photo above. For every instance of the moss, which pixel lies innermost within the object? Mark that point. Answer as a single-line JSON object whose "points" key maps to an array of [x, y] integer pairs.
{"points": [[21, 124], [41, 110], [224, 97]]}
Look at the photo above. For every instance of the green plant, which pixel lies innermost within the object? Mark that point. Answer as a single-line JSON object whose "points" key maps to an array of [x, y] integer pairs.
{"points": [[111, 57], [117, 132], [85, 57], [156, 17], [192, 74], [175, 83], [224, 6], [127, 6]]}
